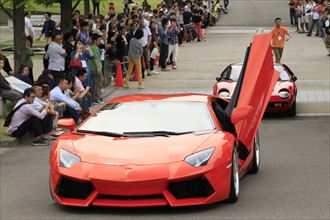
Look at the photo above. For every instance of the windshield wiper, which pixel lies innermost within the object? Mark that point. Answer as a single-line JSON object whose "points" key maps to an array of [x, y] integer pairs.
{"points": [[104, 133], [156, 133]]}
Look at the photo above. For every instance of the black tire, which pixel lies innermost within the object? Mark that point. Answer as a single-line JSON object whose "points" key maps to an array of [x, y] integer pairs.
{"points": [[291, 112], [234, 192], [256, 155]]}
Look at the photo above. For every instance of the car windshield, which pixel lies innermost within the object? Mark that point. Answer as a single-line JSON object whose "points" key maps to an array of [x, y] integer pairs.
{"points": [[150, 116], [234, 71]]}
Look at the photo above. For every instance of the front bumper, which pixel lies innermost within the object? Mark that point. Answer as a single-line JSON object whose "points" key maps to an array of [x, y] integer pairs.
{"points": [[177, 184], [277, 105]]}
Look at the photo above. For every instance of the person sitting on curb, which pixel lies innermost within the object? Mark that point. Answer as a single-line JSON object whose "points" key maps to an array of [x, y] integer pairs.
{"points": [[24, 74], [58, 94], [25, 118], [40, 104], [84, 97], [6, 90]]}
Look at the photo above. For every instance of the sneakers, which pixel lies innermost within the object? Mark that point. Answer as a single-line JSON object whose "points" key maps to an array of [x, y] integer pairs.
{"points": [[154, 72], [57, 133], [40, 141], [174, 66], [141, 87], [99, 101]]}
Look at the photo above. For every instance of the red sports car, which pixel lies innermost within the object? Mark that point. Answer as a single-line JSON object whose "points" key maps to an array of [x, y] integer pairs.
{"points": [[159, 150], [283, 99]]}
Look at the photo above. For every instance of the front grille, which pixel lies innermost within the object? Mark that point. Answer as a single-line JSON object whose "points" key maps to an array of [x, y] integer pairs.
{"points": [[195, 188], [130, 197], [69, 188]]}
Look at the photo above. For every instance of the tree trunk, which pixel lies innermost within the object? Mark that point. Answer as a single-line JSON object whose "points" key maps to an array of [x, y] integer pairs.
{"points": [[19, 35], [87, 8], [66, 16]]}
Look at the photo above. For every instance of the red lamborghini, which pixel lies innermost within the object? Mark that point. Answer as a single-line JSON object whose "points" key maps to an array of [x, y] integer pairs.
{"points": [[160, 150], [283, 99]]}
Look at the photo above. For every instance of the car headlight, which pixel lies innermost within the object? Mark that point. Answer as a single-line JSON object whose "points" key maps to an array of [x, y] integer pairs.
{"points": [[68, 159], [200, 158], [284, 94], [224, 93]]}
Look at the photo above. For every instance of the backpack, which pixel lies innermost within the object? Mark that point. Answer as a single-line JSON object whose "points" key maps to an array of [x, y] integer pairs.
{"points": [[11, 114]]}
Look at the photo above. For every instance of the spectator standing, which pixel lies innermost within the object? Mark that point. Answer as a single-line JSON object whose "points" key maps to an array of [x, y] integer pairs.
{"points": [[45, 58], [307, 13], [278, 39], [48, 28], [84, 34], [56, 56], [315, 19], [27, 119], [293, 18], [145, 41], [29, 30], [98, 23], [6, 90], [83, 54], [187, 22], [24, 74], [134, 58], [173, 35], [162, 31], [96, 7], [226, 3], [68, 47], [28, 59], [121, 47], [95, 66]]}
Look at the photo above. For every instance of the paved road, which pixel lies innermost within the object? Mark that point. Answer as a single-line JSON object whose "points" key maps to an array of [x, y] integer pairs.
{"points": [[293, 182]]}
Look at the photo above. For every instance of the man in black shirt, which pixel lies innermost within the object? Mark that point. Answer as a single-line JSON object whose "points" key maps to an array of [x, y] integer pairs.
{"points": [[121, 46]]}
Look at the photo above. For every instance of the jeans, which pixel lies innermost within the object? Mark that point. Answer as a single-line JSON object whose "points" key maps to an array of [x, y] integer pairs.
{"points": [[163, 55], [311, 27], [71, 113], [85, 102], [226, 3]]}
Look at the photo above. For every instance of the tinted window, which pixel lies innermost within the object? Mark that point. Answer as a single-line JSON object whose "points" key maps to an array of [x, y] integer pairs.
{"points": [[151, 116], [233, 73], [284, 75]]}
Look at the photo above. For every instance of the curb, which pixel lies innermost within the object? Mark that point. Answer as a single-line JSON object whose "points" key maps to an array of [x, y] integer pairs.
{"points": [[8, 141]]}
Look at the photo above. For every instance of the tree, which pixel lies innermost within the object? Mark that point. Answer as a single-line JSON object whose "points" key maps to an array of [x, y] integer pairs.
{"points": [[17, 16], [87, 8]]}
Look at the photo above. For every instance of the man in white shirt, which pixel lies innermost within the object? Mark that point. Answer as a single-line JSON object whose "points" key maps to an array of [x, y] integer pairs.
{"points": [[58, 94], [29, 30], [145, 40], [56, 56]]}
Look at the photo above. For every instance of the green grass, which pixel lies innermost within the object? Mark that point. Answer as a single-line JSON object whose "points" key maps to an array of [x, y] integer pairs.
{"points": [[3, 131], [36, 43], [55, 8]]}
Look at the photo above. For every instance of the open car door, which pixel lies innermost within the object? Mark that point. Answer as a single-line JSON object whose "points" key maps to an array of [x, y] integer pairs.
{"points": [[252, 93]]}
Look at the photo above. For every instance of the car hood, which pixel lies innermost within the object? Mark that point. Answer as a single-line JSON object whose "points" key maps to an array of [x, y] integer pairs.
{"points": [[98, 149], [230, 86]]}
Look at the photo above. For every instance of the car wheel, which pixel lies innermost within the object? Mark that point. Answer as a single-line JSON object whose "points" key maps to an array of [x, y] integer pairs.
{"points": [[234, 183], [292, 111], [256, 155]]}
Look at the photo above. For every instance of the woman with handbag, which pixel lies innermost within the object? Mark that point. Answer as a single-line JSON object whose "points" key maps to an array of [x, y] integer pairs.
{"points": [[79, 60]]}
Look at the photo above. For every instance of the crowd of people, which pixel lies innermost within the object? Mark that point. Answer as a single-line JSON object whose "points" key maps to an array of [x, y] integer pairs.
{"points": [[78, 64], [310, 15]]}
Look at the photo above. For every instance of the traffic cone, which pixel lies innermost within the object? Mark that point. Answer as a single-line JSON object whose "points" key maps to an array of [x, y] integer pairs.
{"points": [[119, 75], [136, 74], [156, 60]]}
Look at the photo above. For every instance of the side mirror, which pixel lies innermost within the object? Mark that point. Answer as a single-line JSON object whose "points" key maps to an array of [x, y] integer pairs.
{"points": [[294, 78], [218, 78], [67, 123], [240, 113]]}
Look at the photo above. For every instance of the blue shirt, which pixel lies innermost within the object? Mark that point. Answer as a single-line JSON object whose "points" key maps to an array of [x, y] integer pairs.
{"points": [[24, 79], [58, 95]]}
